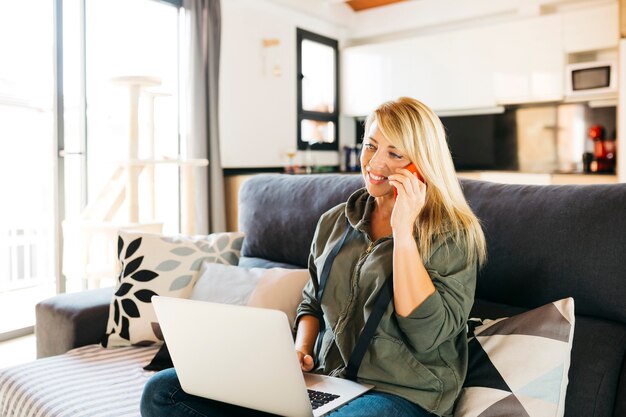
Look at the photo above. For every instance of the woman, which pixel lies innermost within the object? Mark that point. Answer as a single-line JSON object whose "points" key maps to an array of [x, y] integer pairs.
{"points": [[431, 241], [422, 248]]}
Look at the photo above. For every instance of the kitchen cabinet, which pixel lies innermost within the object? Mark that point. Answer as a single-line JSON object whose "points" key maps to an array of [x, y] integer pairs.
{"points": [[451, 72], [363, 81], [400, 79], [464, 69], [530, 60], [518, 61], [434, 78], [373, 74], [473, 61], [445, 71], [591, 29]]}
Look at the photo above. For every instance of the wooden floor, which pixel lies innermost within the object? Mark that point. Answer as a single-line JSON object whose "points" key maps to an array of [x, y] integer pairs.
{"points": [[17, 351]]}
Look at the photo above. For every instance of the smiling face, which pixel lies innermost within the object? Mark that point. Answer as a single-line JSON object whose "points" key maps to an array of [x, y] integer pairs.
{"points": [[379, 159]]}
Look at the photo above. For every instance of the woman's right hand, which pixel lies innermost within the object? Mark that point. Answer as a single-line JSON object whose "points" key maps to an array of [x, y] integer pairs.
{"points": [[308, 329], [306, 361]]}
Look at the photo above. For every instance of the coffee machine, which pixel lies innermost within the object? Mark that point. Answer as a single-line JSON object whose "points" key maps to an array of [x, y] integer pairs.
{"points": [[604, 151]]}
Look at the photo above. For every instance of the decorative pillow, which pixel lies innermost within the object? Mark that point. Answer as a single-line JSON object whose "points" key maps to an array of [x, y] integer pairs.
{"points": [[226, 284], [152, 264], [280, 289], [275, 288], [518, 365]]}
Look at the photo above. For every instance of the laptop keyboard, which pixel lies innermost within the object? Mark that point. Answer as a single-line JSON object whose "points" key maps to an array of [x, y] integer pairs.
{"points": [[319, 398]]}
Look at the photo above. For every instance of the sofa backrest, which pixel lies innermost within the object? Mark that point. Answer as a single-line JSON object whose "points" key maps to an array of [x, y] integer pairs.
{"points": [[279, 213], [544, 242], [550, 242]]}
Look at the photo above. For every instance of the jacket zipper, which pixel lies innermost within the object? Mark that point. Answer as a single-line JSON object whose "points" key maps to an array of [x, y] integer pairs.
{"points": [[342, 322]]}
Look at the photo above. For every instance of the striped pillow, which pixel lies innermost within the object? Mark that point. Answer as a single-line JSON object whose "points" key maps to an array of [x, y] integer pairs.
{"points": [[518, 365]]}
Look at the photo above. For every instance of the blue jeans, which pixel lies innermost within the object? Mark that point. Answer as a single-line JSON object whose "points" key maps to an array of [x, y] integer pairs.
{"points": [[163, 396]]}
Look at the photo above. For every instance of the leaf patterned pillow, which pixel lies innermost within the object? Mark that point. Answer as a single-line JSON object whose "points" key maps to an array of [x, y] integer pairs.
{"points": [[152, 264]]}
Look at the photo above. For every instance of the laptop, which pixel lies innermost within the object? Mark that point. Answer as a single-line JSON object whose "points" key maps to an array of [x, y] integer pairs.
{"points": [[245, 356]]}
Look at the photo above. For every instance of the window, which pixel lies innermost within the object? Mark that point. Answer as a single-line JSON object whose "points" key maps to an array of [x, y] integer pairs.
{"points": [[27, 162], [318, 86]]}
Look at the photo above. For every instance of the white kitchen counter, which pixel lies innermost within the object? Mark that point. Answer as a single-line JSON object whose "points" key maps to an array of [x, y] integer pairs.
{"points": [[511, 177]]}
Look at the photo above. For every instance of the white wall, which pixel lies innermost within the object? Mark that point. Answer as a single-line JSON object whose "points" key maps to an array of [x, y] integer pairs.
{"points": [[257, 109]]}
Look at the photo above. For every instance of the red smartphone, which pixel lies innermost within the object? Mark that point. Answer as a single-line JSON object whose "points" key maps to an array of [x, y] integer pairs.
{"points": [[411, 167]]}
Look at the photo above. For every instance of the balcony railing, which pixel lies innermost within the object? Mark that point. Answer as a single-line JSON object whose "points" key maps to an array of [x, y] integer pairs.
{"points": [[25, 260]]}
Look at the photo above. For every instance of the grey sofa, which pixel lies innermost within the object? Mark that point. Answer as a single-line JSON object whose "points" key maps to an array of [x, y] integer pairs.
{"points": [[545, 243]]}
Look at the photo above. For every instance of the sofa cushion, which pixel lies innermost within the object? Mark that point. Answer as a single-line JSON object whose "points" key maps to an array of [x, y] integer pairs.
{"points": [[290, 207], [85, 382], [153, 264], [597, 358], [546, 243], [518, 365]]}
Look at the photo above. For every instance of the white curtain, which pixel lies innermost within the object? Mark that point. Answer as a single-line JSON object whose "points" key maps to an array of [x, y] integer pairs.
{"points": [[204, 28]]}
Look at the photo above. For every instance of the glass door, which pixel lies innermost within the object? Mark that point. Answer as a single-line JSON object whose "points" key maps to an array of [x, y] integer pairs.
{"points": [[125, 141], [27, 163], [118, 82]]}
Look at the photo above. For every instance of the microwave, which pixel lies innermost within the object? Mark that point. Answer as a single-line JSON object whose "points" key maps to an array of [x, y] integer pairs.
{"points": [[598, 78]]}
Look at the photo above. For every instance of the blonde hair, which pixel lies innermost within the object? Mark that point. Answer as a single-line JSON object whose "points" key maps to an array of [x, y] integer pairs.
{"points": [[416, 131]]}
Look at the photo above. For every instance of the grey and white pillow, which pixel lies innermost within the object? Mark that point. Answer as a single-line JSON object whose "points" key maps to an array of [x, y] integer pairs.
{"points": [[518, 365], [152, 264], [226, 284], [273, 288]]}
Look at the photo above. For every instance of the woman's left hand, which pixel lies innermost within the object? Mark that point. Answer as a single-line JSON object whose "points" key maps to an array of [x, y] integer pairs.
{"points": [[410, 201]]}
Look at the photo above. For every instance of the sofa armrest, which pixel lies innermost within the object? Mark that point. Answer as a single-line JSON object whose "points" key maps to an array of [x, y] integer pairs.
{"points": [[67, 321]]}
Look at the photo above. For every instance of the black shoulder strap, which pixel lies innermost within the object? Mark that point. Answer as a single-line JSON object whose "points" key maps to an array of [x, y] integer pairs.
{"points": [[380, 306], [322, 285], [329, 263]]}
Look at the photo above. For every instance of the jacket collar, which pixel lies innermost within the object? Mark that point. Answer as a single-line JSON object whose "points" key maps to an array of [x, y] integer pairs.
{"points": [[359, 210]]}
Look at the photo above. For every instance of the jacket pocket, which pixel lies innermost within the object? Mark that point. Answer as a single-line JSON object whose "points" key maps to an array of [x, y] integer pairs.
{"points": [[388, 361]]}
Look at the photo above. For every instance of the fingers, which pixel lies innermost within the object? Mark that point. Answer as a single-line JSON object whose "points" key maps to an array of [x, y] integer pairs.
{"points": [[306, 361], [406, 181]]}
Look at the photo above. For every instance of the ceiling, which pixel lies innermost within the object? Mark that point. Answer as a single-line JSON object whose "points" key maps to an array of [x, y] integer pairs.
{"points": [[358, 5], [336, 6]]}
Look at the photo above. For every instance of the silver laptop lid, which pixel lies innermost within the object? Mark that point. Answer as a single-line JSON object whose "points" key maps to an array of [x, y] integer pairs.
{"points": [[253, 364]]}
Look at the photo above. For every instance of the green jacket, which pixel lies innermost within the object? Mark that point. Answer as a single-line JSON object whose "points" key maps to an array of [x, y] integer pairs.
{"points": [[423, 357]]}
